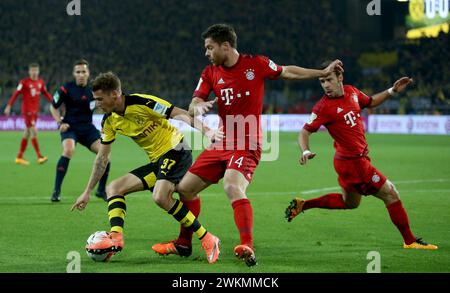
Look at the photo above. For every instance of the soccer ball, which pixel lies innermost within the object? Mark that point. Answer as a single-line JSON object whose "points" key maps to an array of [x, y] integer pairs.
{"points": [[98, 256]]}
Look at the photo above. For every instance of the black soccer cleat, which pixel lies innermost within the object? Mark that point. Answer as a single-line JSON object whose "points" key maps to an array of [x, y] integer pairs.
{"points": [[56, 197], [185, 251]]}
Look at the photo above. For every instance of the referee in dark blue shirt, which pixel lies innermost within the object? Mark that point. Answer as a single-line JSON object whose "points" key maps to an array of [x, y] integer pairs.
{"points": [[76, 124]]}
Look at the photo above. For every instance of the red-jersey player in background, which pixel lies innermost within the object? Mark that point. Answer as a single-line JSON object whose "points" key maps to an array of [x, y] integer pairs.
{"points": [[238, 82], [339, 111], [30, 88]]}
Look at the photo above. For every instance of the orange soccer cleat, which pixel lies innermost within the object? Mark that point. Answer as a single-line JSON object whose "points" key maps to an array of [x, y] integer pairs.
{"points": [[112, 241], [210, 245], [42, 160], [246, 253], [294, 208], [20, 161], [171, 247], [420, 244]]}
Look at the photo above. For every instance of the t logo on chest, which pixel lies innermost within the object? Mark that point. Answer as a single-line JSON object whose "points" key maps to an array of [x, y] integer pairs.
{"points": [[350, 119], [226, 95]]}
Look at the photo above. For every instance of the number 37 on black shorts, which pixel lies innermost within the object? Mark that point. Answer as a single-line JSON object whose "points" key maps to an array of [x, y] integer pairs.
{"points": [[171, 166]]}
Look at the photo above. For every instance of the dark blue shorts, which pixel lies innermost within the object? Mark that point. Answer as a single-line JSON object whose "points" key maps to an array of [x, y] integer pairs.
{"points": [[85, 134]]}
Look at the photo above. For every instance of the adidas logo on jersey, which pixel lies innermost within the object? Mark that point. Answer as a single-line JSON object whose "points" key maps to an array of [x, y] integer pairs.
{"points": [[339, 110], [220, 81]]}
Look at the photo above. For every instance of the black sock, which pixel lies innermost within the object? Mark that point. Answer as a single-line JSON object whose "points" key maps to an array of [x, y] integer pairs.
{"points": [[102, 183], [61, 169]]}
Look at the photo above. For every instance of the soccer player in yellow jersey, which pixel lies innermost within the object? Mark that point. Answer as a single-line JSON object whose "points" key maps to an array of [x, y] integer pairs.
{"points": [[143, 118]]}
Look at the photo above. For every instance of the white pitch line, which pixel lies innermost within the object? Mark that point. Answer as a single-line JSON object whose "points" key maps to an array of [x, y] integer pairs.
{"points": [[425, 191], [264, 193], [423, 181]]}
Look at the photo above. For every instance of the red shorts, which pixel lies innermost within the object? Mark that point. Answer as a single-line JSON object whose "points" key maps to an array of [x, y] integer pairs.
{"points": [[212, 164], [358, 175], [30, 119]]}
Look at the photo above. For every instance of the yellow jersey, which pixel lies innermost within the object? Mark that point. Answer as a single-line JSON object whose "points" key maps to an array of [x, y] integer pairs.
{"points": [[145, 120]]}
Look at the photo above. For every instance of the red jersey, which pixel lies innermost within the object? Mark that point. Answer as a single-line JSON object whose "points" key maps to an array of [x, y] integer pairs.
{"points": [[342, 117], [240, 92], [30, 91]]}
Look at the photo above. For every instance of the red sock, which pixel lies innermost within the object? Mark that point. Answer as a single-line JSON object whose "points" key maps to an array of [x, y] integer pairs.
{"points": [[23, 147], [36, 147], [243, 217], [400, 219], [332, 201], [185, 236]]}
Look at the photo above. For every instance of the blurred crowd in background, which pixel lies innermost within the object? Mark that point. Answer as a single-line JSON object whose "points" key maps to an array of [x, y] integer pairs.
{"points": [[155, 47]]}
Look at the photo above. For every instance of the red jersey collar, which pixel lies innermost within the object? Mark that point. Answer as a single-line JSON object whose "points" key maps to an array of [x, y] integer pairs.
{"points": [[231, 67]]}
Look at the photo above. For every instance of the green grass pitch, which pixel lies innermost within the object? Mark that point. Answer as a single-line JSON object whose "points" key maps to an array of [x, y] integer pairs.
{"points": [[36, 235]]}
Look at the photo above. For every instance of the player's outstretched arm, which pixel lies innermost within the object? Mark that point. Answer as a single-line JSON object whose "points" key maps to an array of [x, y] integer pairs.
{"points": [[399, 86], [183, 115], [303, 142], [292, 72], [199, 107], [101, 160]]}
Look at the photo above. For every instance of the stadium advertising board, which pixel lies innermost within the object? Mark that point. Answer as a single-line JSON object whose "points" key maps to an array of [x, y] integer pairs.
{"points": [[407, 124]]}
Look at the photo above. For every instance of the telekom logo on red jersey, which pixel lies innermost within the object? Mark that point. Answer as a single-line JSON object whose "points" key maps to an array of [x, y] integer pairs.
{"points": [[226, 95], [350, 118]]}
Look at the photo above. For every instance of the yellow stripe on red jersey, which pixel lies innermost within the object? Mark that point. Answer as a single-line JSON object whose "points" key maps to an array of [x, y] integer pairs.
{"points": [[145, 121]]}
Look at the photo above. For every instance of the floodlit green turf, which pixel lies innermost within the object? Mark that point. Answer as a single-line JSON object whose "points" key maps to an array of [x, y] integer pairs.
{"points": [[36, 235]]}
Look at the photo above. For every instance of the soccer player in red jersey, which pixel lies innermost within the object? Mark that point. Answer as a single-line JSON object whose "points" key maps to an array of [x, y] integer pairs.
{"points": [[30, 88], [339, 110], [238, 82]]}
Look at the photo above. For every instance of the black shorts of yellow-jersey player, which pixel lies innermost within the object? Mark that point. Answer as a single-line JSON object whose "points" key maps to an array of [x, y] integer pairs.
{"points": [[144, 119], [171, 166]]}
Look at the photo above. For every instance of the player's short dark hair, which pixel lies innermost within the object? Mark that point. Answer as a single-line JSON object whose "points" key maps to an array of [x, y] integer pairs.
{"points": [[221, 33], [81, 62], [106, 82], [33, 65], [326, 63]]}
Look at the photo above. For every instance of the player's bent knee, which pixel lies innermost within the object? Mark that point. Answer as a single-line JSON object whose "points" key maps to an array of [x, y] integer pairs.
{"points": [[161, 200], [394, 196], [68, 152], [393, 193], [114, 188], [185, 192], [33, 132], [233, 190]]}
